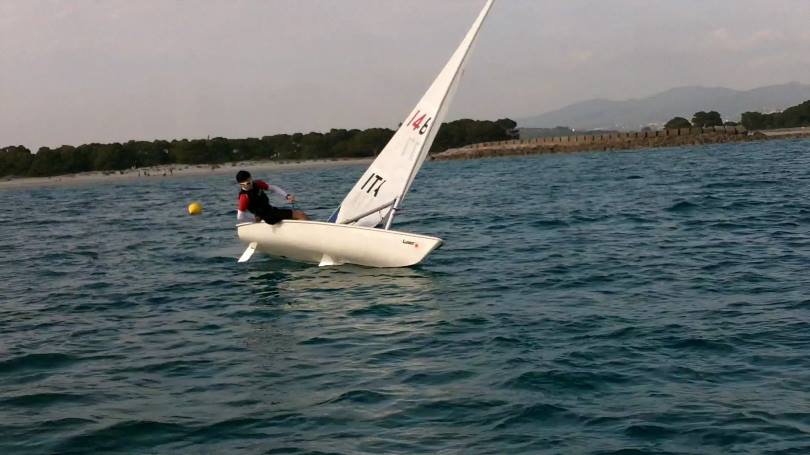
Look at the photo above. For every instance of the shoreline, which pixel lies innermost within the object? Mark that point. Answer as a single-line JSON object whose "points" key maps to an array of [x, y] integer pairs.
{"points": [[614, 142], [474, 151], [171, 171]]}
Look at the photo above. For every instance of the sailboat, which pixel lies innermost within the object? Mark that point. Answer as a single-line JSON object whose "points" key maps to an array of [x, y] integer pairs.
{"points": [[359, 231]]}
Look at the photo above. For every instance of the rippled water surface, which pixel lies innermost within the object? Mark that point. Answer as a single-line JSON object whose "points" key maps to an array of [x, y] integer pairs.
{"points": [[626, 302]]}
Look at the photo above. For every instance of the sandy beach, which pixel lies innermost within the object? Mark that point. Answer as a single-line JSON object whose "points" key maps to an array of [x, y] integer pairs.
{"points": [[174, 170]]}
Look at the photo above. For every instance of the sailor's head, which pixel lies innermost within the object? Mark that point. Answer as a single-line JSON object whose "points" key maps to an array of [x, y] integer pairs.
{"points": [[244, 179]]}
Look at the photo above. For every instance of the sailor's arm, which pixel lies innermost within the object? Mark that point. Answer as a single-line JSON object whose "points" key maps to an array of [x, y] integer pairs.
{"points": [[275, 190], [279, 191], [242, 214], [244, 217]]}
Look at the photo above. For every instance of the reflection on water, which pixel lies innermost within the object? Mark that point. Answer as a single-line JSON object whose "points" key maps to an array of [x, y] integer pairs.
{"points": [[303, 284], [328, 304]]}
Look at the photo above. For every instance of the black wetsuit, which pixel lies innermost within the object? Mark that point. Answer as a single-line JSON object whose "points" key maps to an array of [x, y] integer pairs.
{"points": [[259, 205]]}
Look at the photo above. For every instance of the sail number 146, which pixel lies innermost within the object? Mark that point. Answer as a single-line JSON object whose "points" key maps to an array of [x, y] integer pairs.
{"points": [[422, 124]]}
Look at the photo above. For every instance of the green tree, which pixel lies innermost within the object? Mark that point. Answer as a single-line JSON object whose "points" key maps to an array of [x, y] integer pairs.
{"points": [[713, 118], [313, 145], [15, 160], [113, 157], [368, 142], [279, 146], [466, 131], [218, 150], [188, 152], [677, 123], [46, 162], [509, 125], [244, 149], [707, 119], [75, 159], [756, 121], [147, 153], [798, 115]]}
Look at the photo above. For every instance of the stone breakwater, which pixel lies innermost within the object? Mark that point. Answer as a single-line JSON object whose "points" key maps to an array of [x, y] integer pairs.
{"points": [[604, 142]]}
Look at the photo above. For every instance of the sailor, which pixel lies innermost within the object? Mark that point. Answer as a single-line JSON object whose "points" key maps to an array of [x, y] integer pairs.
{"points": [[252, 198]]}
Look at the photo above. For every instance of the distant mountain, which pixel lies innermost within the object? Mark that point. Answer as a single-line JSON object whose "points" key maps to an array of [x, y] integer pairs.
{"points": [[658, 109]]}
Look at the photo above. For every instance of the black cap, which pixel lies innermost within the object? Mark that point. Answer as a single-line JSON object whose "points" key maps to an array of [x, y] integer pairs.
{"points": [[241, 176]]}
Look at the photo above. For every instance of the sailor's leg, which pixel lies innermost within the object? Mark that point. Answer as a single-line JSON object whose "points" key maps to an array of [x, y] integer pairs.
{"points": [[299, 215]]}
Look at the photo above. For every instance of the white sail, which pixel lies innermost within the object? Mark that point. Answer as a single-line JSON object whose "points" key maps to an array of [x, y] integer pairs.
{"points": [[389, 177]]}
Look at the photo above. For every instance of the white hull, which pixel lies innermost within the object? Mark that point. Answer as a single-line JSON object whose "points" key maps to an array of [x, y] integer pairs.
{"points": [[334, 244]]}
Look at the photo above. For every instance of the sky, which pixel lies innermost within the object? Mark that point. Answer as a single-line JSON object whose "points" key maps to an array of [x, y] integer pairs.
{"points": [[81, 71]]}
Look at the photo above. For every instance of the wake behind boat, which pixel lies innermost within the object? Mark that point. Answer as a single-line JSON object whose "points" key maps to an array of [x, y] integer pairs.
{"points": [[351, 234]]}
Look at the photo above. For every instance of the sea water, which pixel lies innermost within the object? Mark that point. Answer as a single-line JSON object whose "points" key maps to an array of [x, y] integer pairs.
{"points": [[653, 301]]}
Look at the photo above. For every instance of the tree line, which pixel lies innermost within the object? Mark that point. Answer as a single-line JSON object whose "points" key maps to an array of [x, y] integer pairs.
{"points": [[791, 117], [337, 143]]}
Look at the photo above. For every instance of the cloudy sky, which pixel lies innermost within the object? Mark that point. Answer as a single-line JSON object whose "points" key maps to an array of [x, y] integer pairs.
{"points": [[79, 71]]}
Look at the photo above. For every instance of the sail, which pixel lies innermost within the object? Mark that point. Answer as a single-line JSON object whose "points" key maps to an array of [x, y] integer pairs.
{"points": [[389, 177]]}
